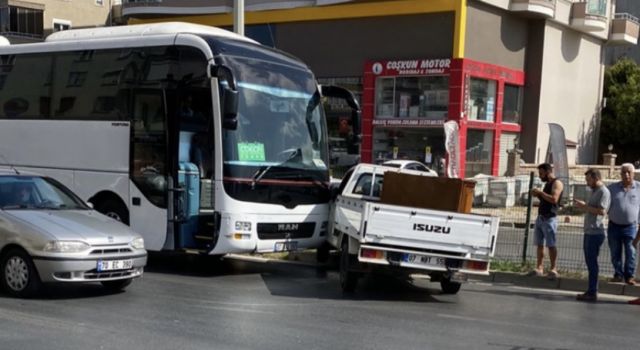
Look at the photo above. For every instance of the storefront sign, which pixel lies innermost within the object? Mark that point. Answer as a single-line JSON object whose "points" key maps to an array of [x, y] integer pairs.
{"points": [[408, 122], [412, 67], [452, 145]]}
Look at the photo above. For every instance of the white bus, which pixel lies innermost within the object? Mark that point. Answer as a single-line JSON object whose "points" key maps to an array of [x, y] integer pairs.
{"points": [[201, 140]]}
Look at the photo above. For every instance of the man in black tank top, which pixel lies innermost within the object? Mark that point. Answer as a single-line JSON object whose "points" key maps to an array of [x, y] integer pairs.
{"points": [[546, 223]]}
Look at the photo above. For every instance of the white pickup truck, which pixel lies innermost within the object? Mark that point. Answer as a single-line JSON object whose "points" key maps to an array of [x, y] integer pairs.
{"points": [[368, 234]]}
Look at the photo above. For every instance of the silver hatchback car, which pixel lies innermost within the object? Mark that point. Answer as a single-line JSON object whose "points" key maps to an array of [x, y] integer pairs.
{"points": [[48, 234]]}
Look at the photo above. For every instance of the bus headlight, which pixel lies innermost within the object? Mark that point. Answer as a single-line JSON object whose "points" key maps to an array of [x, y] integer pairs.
{"points": [[66, 246], [138, 243], [243, 226]]}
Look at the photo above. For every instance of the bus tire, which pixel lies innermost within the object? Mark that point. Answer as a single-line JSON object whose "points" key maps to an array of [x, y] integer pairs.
{"points": [[348, 279], [323, 253], [449, 287], [113, 209]]}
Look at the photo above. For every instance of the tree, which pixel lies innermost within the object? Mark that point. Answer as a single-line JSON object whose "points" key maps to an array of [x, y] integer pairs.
{"points": [[620, 124]]}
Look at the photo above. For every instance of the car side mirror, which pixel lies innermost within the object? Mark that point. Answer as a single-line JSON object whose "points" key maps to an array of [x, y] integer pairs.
{"points": [[89, 204]]}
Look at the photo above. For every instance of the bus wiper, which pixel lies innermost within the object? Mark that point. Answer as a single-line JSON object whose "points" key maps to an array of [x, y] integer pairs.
{"points": [[263, 171]]}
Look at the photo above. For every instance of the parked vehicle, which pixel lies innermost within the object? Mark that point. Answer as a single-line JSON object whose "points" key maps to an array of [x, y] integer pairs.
{"points": [[48, 234], [369, 234], [411, 165]]}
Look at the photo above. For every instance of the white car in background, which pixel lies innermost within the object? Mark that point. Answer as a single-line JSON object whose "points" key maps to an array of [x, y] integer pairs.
{"points": [[411, 165], [48, 234]]}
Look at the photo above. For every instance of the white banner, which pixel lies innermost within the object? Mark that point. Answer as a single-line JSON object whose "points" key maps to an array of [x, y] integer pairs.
{"points": [[452, 145], [557, 151]]}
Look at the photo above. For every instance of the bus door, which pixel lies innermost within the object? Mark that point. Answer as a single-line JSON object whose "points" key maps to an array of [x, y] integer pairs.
{"points": [[194, 220]]}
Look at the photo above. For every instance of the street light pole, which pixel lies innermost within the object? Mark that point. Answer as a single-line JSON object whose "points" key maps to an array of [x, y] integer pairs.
{"points": [[238, 16]]}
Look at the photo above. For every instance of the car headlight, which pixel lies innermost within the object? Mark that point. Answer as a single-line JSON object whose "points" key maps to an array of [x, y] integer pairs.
{"points": [[243, 226], [66, 246], [138, 243]]}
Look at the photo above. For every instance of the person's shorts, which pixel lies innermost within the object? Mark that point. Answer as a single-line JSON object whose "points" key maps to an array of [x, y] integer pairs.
{"points": [[545, 231]]}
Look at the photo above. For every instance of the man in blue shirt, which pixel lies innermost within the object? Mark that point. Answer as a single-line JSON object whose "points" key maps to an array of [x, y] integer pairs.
{"points": [[623, 224]]}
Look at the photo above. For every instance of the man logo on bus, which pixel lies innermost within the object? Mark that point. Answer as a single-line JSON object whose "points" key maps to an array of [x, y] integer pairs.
{"points": [[377, 68], [287, 227]]}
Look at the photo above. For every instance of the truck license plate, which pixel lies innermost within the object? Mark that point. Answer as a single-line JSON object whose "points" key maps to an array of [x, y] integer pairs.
{"points": [[110, 265], [423, 259], [285, 246]]}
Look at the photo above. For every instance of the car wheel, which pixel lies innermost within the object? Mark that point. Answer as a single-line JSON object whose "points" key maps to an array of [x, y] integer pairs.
{"points": [[19, 275], [117, 285], [348, 279], [114, 210], [449, 287]]}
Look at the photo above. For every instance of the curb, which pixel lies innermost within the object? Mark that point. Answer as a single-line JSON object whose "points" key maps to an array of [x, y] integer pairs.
{"points": [[568, 284], [307, 258]]}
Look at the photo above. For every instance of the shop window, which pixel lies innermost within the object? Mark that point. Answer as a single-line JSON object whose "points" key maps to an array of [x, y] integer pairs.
{"points": [[385, 88], [512, 109], [482, 99], [478, 152], [412, 97]]}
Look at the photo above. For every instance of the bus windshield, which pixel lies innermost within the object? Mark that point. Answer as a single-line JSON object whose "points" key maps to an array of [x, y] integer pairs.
{"points": [[280, 144]]}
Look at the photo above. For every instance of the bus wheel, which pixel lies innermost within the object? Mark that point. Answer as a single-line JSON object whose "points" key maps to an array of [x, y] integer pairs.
{"points": [[348, 279], [323, 253], [114, 210]]}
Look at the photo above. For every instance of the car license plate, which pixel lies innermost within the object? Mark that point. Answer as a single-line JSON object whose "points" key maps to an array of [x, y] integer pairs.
{"points": [[110, 265], [285, 246], [423, 259]]}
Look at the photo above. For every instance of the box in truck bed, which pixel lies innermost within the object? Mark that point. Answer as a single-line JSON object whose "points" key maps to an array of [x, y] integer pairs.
{"points": [[438, 193]]}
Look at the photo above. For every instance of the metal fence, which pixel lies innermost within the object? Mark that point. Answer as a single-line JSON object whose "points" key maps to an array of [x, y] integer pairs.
{"points": [[507, 197]]}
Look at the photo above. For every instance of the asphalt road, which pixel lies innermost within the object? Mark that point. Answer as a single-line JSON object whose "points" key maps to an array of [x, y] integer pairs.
{"points": [[180, 304]]}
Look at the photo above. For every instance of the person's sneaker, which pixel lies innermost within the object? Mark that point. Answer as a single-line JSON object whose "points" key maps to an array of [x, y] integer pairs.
{"points": [[635, 301], [587, 297], [631, 281], [616, 279], [553, 275]]}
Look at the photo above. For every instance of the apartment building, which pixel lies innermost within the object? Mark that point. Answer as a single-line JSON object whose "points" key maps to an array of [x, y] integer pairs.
{"points": [[501, 69], [31, 21]]}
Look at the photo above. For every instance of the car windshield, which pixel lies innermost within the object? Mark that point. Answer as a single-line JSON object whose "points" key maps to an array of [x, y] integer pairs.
{"points": [[35, 192]]}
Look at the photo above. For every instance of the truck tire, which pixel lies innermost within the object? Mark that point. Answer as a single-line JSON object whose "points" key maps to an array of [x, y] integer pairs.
{"points": [[348, 279], [114, 210], [449, 287]]}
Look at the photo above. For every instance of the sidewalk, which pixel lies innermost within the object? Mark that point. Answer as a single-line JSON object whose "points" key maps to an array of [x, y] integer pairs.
{"points": [[308, 258]]}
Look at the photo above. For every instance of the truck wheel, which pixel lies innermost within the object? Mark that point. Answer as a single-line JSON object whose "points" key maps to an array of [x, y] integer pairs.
{"points": [[19, 275], [348, 279], [114, 210], [449, 287], [322, 253]]}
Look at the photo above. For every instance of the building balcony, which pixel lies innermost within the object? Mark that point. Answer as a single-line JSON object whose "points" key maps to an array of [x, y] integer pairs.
{"points": [[545, 8], [624, 29], [590, 15]]}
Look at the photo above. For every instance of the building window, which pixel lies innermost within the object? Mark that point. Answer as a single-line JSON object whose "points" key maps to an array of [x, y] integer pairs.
{"points": [[412, 97], [20, 21], [512, 109], [60, 25], [482, 99], [478, 152]]}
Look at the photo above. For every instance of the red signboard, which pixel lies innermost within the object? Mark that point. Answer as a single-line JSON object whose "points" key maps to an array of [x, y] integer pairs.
{"points": [[438, 66]]}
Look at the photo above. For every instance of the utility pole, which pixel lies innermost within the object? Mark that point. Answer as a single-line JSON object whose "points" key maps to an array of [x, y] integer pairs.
{"points": [[238, 16]]}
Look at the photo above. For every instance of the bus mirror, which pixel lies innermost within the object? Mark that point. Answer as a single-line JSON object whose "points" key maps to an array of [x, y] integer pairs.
{"points": [[353, 140], [230, 109]]}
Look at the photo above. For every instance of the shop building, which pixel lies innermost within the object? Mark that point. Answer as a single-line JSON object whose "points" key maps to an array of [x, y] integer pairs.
{"points": [[502, 70]]}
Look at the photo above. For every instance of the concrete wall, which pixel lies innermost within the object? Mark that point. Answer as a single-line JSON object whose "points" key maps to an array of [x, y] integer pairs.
{"points": [[340, 48], [81, 13], [571, 90], [496, 36]]}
